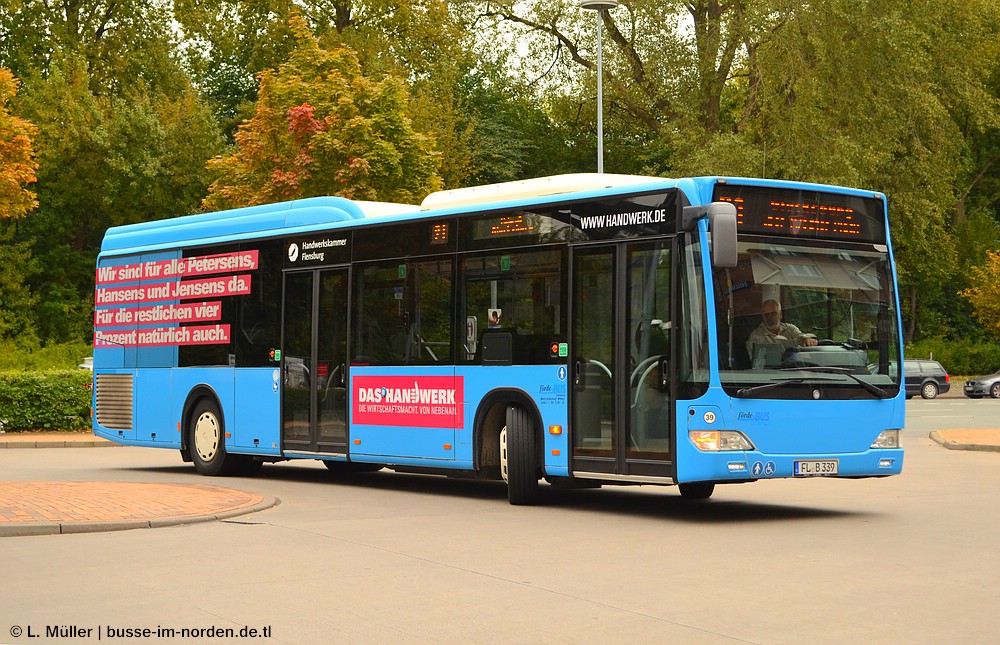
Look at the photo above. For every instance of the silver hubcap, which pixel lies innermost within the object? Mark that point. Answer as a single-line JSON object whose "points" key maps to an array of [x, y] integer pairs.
{"points": [[503, 453], [206, 436]]}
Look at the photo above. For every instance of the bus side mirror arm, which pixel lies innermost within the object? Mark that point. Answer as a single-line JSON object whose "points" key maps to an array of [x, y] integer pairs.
{"points": [[722, 225]]}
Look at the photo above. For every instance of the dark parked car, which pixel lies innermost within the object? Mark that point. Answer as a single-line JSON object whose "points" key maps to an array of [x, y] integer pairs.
{"points": [[983, 386], [926, 378]]}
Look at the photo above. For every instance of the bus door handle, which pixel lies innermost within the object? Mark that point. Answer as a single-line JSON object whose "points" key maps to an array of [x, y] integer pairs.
{"points": [[578, 375], [337, 376], [664, 373]]}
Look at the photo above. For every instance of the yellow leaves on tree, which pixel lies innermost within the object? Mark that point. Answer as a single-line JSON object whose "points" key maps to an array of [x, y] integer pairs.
{"points": [[321, 127], [17, 164], [985, 296]]}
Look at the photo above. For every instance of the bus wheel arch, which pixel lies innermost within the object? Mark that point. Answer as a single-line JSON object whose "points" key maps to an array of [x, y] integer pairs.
{"points": [[204, 436], [509, 443]]}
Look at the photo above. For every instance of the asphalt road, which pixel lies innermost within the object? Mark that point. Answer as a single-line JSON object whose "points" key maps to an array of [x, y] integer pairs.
{"points": [[390, 558]]}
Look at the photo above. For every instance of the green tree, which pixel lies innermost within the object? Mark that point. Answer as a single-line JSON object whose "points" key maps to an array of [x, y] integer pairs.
{"points": [[667, 66], [120, 43], [17, 303], [322, 127], [122, 137], [228, 44], [104, 161]]}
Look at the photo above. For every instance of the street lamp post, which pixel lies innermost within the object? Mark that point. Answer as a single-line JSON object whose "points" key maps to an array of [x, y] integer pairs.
{"points": [[600, 6]]}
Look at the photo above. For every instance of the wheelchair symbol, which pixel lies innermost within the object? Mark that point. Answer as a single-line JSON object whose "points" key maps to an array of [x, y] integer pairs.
{"points": [[767, 469]]}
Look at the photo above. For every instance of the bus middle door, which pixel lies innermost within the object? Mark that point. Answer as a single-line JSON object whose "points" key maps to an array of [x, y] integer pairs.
{"points": [[314, 362]]}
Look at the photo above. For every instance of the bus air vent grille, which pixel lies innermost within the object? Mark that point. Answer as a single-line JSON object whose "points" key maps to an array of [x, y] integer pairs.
{"points": [[114, 401]]}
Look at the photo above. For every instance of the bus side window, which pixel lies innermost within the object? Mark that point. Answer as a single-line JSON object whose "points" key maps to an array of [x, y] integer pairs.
{"points": [[402, 313], [376, 313], [429, 336], [526, 287]]}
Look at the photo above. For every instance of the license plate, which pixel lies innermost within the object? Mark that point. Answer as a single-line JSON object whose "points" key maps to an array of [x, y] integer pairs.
{"points": [[813, 467]]}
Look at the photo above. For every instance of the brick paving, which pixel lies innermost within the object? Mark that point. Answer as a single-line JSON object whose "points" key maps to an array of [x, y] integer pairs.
{"points": [[38, 508], [53, 440], [34, 508]]}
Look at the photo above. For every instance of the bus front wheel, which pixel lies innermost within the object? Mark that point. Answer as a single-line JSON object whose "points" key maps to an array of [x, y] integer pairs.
{"points": [[208, 441], [518, 463], [696, 490]]}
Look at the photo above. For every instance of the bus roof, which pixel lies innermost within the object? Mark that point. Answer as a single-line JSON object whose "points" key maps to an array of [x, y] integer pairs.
{"points": [[318, 212], [247, 222], [528, 188]]}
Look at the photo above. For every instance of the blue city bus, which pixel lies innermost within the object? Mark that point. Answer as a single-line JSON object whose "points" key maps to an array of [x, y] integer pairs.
{"points": [[583, 330]]}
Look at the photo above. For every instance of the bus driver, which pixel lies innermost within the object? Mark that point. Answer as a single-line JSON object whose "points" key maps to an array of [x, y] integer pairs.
{"points": [[773, 332]]}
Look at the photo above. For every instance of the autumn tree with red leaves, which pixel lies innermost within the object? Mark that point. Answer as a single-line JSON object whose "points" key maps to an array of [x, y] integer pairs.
{"points": [[323, 128]]}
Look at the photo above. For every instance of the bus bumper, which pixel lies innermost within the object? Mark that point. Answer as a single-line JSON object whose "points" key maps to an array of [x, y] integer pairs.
{"points": [[753, 465]]}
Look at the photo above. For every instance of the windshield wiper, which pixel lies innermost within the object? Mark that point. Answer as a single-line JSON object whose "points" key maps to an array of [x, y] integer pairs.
{"points": [[874, 389], [743, 391]]}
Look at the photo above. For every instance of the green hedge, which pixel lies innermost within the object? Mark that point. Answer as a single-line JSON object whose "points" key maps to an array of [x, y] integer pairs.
{"points": [[17, 356], [959, 357], [54, 400]]}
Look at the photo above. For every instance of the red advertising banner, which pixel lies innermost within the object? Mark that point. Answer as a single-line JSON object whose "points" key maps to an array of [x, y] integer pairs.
{"points": [[421, 401], [163, 336], [181, 268], [236, 285], [160, 314]]}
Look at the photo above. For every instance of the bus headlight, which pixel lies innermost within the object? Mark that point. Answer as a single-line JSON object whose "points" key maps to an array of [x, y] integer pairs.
{"points": [[887, 439], [719, 440]]}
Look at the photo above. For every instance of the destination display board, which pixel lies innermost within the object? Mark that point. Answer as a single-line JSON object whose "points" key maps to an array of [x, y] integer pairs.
{"points": [[805, 213]]}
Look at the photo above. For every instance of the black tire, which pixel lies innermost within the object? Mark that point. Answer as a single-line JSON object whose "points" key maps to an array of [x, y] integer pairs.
{"points": [[929, 390], [995, 391], [207, 441], [696, 490], [517, 444]]}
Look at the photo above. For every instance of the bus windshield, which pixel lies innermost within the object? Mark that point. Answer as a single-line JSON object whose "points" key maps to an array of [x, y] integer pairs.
{"points": [[800, 321]]}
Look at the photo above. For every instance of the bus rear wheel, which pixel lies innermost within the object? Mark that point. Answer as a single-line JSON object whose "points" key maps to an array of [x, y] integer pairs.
{"points": [[518, 462], [208, 441]]}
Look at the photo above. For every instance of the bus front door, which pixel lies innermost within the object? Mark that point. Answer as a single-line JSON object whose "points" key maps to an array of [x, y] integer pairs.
{"points": [[314, 362], [622, 318]]}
